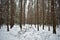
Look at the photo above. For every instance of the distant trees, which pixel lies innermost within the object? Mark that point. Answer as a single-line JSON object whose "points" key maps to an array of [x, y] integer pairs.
{"points": [[36, 14]]}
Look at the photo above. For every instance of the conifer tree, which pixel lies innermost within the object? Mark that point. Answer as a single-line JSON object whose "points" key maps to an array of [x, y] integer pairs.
{"points": [[43, 13], [7, 12], [0, 14], [53, 16], [12, 13], [20, 14]]}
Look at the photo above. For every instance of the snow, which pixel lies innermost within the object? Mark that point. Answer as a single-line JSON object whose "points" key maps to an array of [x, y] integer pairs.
{"points": [[28, 33]]}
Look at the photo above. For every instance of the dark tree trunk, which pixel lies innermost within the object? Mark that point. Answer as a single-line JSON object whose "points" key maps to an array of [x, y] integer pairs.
{"points": [[43, 13], [20, 14], [48, 16], [53, 16], [0, 14], [24, 9], [12, 13], [7, 11], [37, 17]]}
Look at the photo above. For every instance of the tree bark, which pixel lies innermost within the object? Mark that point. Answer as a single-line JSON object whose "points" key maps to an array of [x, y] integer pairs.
{"points": [[43, 13], [53, 16], [20, 14], [12, 13], [37, 17], [0, 14], [7, 11], [48, 16]]}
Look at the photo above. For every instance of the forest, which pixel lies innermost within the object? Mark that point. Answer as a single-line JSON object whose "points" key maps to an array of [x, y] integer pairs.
{"points": [[31, 12]]}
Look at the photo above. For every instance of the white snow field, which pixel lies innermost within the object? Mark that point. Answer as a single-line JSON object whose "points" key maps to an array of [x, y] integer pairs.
{"points": [[28, 33]]}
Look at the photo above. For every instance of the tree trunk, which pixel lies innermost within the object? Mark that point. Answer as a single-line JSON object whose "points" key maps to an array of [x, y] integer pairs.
{"points": [[7, 11], [37, 16], [0, 14], [12, 13], [24, 10], [20, 14], [48, 16], [53, 16], [43, 13]]}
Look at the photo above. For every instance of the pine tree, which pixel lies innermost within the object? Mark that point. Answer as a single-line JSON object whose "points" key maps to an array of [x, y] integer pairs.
{"points": [[7, 11], [24, 10], [39, 13], [12, 13], [48, 15], [35, 9], [20, 14], [43, 13], [0, 13], [53, 16], [37, 17]]}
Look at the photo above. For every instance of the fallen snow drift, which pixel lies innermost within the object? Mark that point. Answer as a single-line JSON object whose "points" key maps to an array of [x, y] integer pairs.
{"points": [[28, 33]]}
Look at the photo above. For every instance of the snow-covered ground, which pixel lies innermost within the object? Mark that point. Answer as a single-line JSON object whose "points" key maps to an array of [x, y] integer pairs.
{"points": [[28, 33]]}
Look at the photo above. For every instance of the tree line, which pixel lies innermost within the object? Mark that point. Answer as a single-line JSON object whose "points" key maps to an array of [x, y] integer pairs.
{"points": [[39, 12]]}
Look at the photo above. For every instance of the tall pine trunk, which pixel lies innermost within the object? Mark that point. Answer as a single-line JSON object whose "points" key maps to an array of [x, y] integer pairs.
{"points": [[7, 11], [24, 10], [20, 14], [53, 16], [37, 17], [12, 13], [48, 15], [0, 13], [43, 13]]}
